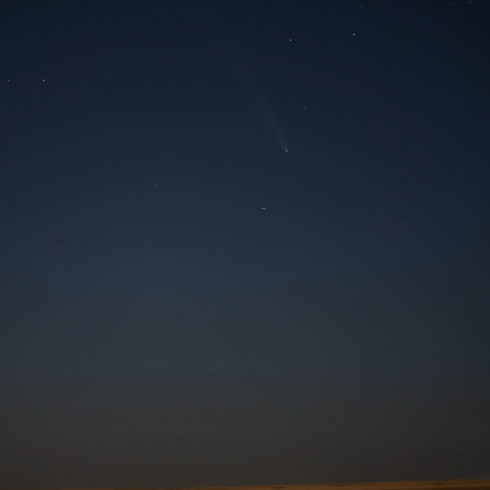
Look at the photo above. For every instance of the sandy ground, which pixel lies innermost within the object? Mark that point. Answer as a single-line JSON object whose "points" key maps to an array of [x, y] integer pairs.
{"points": [[403, 485]]}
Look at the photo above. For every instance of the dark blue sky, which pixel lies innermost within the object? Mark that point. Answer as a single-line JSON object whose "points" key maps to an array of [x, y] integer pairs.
{"points": [[244, 242]]}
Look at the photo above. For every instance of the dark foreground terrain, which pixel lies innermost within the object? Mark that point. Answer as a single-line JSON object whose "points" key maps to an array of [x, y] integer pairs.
{"points": [[403, 485]]}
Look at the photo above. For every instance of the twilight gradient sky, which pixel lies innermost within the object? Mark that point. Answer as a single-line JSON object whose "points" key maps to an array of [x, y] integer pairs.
{"points": [[244, 242]]}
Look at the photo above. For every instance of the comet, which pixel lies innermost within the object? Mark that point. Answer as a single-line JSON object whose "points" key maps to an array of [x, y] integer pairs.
{"points": [[261, 105], [271, 121]]}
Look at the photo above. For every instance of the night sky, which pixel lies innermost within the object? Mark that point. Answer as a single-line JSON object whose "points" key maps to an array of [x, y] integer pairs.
{"points": [[244, 242]]}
